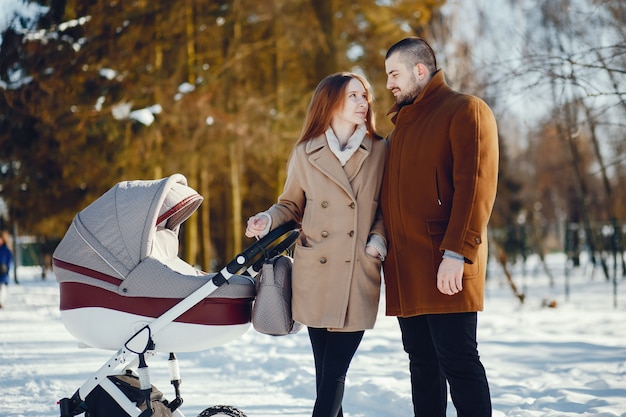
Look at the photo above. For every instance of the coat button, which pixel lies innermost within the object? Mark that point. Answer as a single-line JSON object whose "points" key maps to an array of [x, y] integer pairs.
{"points": [[324, 204], [352, 205], [351, 233], [322, 260], [324, 233], [477, 240]]}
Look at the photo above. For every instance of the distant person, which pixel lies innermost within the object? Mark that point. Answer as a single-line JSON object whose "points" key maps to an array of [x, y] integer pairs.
{"points": [[438, 192], [332, 189], [6, 261]]}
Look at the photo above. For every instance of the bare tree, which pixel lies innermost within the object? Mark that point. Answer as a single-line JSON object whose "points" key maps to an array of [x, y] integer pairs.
{"points": [[563, 61]]}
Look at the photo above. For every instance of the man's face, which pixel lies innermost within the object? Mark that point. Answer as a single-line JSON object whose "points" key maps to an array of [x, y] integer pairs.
{"points": [[402, 80]]}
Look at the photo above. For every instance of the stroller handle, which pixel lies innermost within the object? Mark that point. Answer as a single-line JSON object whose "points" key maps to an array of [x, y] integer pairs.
{"points": [[270, 245]]}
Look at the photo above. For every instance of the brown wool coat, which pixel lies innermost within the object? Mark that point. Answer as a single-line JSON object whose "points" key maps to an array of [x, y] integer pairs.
{"points": [[336, 285], [438, 192]]}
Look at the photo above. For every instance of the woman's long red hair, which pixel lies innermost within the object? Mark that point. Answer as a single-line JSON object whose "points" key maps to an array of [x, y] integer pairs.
{"points": [[329, 98]]}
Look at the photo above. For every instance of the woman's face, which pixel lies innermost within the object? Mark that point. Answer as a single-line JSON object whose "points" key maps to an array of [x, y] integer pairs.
{"points": [[355, 105]]}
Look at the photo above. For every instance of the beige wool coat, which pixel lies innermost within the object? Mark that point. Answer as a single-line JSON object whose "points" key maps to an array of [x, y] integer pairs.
{"points": [[438, 193], [335, 283]]}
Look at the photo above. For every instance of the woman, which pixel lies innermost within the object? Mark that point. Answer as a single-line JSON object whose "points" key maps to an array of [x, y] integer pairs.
{"points": [[332, 190]]}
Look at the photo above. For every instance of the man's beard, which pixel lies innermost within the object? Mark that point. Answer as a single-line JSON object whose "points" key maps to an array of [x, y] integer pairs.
{"points": [[412, 91]]}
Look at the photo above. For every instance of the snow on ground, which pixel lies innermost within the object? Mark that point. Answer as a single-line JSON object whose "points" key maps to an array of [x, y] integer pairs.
{"points": [[541, 362]]}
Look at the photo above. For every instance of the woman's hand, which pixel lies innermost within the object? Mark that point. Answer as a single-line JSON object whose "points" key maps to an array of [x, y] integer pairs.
{"points": [[256, 225], [372, 251]]}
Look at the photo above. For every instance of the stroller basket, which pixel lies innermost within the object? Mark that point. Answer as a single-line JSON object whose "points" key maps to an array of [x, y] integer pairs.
{"points": [[124, 288]]}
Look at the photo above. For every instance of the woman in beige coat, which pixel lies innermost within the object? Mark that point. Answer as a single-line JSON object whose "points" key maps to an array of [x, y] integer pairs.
{"points": [[332, 189]]}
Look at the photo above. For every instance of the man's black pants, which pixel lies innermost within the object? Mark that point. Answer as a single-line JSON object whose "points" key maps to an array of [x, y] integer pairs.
{"points": [[443, 347]]}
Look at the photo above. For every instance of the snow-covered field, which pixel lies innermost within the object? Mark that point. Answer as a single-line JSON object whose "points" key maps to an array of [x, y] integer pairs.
{"points": [[541, 362]]}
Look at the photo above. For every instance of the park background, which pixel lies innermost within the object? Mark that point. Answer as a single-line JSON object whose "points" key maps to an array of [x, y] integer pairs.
{"points": [[95, 92], [92, 93]]}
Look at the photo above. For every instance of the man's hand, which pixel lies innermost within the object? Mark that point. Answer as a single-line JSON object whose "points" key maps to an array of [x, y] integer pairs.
{"points": [[450, 276]]}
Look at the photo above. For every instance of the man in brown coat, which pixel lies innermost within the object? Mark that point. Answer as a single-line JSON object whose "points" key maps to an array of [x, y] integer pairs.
{"points": [[438, 191]]}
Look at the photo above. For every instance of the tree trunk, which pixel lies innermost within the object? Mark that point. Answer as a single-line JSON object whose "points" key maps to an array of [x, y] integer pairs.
{"points": [[205, 219], [234, 152], [278, 130], [191, 225], [566, 136]]}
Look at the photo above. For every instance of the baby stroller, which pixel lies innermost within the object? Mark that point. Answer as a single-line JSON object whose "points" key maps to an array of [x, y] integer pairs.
{"points": [[124, 288]]}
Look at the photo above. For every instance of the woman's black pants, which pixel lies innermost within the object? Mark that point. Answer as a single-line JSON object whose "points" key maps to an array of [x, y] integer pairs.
{"points": [[332, 353], [443, 347]]}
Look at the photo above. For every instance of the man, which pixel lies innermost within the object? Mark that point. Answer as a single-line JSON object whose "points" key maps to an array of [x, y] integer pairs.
{"points": [[438, 191]]}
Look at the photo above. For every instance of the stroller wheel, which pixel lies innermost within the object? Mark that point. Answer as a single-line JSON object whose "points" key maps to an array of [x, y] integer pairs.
{"points": [[222, 410]]}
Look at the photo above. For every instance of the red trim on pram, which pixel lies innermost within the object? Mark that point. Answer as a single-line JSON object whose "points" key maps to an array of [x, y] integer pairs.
{"points": [[86, 271], [176, 207], [210, 311]]}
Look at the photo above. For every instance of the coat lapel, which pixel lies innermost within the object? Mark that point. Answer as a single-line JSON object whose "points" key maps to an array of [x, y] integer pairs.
{"points": [[354, 164], [322, 158]]}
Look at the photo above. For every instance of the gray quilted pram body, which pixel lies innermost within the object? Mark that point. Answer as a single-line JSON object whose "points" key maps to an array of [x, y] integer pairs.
{"points": [[118, 270]]}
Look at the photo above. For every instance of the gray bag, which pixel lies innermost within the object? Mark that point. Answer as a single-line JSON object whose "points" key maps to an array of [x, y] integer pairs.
{"points": [[271, 311]]}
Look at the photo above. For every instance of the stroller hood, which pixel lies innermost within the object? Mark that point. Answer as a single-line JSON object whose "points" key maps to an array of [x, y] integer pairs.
{"points": [[120, 226]]}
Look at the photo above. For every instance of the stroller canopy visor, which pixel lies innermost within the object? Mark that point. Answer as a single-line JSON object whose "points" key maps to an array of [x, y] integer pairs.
{"points": [[121, 225]]}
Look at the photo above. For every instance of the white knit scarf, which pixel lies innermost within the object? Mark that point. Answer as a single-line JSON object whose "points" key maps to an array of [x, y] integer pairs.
{"points": [[353, 143]]}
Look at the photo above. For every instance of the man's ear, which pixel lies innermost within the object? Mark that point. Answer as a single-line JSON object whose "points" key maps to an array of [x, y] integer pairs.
{"points": [[420, 71]]}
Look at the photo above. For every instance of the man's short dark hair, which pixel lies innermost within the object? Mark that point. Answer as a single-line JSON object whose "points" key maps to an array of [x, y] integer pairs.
{"points": [[414, 50]]}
